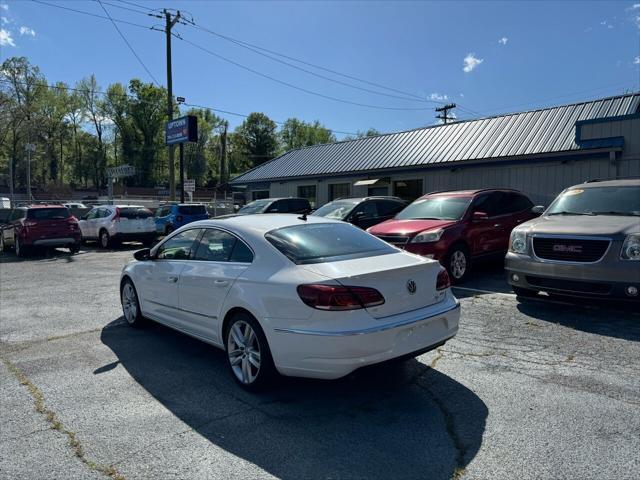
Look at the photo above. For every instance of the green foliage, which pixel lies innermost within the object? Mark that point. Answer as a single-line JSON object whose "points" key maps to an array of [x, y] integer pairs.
{"points": [[80, 131]]}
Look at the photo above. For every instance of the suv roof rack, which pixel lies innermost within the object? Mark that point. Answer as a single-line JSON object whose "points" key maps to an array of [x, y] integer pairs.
{"points": [[476, 190], [596, 180]]}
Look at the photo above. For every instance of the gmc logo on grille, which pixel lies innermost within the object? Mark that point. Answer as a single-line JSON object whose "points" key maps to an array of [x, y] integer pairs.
{"points": [[568, 248]]}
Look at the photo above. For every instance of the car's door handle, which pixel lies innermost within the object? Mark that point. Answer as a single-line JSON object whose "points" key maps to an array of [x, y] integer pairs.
{"points": [[221, 283], [497, 225], [172, 279]]}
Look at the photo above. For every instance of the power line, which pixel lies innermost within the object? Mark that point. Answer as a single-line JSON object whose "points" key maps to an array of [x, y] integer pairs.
{"points": [[138, 5], [115, 5], [133, 97], [115, 25], [93, 14], [291, 85]]}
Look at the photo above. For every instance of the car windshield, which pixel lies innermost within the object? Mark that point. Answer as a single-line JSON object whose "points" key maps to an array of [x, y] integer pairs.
{"points": [[621, 200], [135, 212], [436, 208], [326, 242], [192, 209], [257, 206], [49, 213], [336, 210]]}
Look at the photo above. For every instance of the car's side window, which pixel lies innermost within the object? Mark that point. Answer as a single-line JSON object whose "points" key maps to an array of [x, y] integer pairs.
{"points": [[215, 246], [366, 210], [180, 246], [493, 204], [386, 208], [241, 253], [518, 203], [92, 214]]}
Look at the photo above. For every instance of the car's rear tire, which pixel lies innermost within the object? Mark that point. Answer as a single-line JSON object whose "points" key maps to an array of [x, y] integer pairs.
{"points": [[458, 263], [21, 250], [104, 240], [131, 304], [75, 248], [524, 292], [168, 229], [248, 354], [148, 243], [1, 242]]}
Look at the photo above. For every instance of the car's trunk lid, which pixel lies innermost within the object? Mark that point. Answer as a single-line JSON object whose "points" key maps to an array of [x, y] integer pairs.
{"points": [[391, 275]]}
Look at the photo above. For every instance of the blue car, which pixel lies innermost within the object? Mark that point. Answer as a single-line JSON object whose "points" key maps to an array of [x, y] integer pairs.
{"points": [[170, 217]]}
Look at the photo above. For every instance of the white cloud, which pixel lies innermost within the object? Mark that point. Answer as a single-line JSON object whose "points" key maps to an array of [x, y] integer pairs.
{"points": [[6, 38], [636, 61], [437, 96], [27, 31], [4, 20], [471, 62], [4, 6], [462, 95], [635, 6], [503, 41]]}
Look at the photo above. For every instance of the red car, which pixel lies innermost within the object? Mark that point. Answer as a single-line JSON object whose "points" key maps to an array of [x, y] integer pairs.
{"points": [[40, 226], [458, 227]]}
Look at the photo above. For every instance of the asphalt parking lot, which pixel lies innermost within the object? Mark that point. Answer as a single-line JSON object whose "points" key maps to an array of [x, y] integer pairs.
{"points": [[533, 390]]}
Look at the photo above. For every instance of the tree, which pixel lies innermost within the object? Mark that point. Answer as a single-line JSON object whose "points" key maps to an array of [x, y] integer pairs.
{"points": [[297, 134], [89, 93], [201, 157], [256, 139]]}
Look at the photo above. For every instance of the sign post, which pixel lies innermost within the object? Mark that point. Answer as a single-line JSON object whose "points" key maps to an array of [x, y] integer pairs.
{"points": [[190, 187], [113, 173], [181, 130]]}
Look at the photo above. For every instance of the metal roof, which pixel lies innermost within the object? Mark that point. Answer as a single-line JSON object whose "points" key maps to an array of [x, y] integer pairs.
{"points": [[546, 130]]}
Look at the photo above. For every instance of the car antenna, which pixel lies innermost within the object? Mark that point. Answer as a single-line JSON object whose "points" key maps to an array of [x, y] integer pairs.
{"points": [[303, 216]]}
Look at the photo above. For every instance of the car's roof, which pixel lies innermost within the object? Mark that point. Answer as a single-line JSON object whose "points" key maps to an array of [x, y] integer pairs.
{"points": [[370, 197], [263, 223], [469, 193], [621, 182], [46, 205], [119, 206]]}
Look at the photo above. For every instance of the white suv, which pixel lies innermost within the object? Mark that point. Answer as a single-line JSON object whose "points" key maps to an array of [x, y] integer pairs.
{"points": [[112, 224]]}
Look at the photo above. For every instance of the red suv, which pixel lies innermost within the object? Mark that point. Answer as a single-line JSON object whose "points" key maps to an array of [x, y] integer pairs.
{"points": [[40, 226], [458, 227]]}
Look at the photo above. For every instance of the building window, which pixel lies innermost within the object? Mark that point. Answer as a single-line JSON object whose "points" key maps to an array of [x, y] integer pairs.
{"points": [[259, 194], [408, 189], [308, 192], [378, 191], [339, 190]]}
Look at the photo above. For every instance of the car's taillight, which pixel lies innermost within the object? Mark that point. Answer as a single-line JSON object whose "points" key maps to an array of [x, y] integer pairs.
{"points": [[117, 215], [338, 297], [443, 282], [179, 218]]}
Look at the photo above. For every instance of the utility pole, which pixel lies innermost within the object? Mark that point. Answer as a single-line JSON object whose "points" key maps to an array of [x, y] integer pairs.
{"points": [[169, 24], [223, 152], [445, 108], [29, 147]]}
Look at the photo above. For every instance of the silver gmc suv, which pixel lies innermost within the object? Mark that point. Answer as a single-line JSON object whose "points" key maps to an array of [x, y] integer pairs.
{"points": [[587, 243]]}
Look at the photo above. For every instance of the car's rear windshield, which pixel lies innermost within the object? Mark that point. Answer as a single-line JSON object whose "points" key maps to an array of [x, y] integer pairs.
{"points": [[436, 208], [56, 213], [621, 200], [135, 212], [192, 209], [326, 242], [337, 210], [257, 206]]}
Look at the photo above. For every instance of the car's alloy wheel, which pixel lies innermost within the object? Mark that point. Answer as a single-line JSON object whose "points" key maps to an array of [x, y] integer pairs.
{"points": [[104, 239], [458, 264], [248, 352], [130, 304]]}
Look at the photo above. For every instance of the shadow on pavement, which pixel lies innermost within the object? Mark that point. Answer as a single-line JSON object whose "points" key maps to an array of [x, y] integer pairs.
{"points": [[610, 318], [485, 278], [40, 255], [402, 420]]}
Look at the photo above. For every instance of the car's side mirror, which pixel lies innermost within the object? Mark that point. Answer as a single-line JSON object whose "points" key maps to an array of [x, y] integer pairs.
{"points": [[479, 216], [142, 255], [538, 209]]}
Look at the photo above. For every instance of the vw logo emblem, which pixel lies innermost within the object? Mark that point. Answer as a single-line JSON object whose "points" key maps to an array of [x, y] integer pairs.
{"points": [[411, 287]]}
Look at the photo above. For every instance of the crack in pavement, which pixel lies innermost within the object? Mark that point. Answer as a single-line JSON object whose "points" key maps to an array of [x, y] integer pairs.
{"points": [[55, 423]]}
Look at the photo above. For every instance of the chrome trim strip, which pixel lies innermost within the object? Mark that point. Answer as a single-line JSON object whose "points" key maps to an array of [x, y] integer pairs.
{"points": [[365, 331], [568, 237], [213, 317]]}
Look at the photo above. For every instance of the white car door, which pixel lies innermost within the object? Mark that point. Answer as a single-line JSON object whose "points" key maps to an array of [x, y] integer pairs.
{"points": [[159, 278], [87, 224], [206, 279]]}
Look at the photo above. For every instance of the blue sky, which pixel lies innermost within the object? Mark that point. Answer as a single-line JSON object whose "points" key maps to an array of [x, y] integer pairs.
{"points": [[519, 55]]}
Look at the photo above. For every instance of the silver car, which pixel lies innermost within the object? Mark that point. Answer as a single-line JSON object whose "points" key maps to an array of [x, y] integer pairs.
{"points": [[587, 243]]}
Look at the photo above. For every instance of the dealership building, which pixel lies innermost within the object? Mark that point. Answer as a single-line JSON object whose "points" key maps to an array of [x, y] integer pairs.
{"points": [[538, 152]]}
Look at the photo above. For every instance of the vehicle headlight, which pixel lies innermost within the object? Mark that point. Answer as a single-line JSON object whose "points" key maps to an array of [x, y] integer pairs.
{"points": [[428, 236], [631, 247], [518, 241]]}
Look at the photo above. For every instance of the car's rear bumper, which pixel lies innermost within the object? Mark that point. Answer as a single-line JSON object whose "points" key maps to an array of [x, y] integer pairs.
{"points": [[55, 242], [593, 280], [333, 354]]}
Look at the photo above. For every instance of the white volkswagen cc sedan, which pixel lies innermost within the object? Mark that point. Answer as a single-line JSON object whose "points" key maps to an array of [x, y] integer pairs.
{"points": [[303, 296]]}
